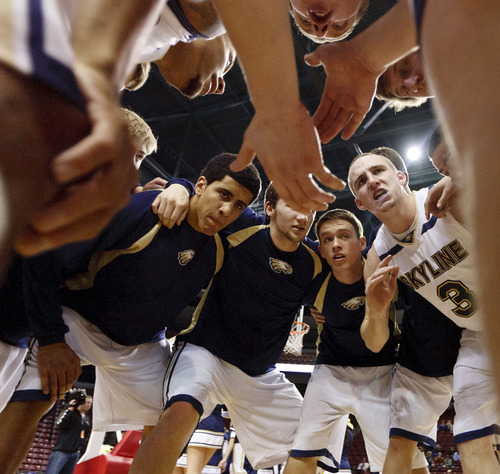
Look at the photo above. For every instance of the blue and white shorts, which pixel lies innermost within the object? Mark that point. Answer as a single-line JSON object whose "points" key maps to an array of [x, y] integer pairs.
{"points": [[129, 379], [259, 407]]}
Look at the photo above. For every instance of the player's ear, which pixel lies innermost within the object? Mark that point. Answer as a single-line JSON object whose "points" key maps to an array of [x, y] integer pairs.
{"points": [[321, 252], [200, 185], [403, 178], [362, 240], [359, 204], [269, 209]]}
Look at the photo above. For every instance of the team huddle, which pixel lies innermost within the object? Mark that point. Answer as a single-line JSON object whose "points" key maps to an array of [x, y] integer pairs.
{"points": [[96, 268]]}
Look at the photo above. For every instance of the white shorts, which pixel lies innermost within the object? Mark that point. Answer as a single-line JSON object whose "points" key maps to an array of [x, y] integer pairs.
{"points": [[129, 379], [333, 392], [417, 402], [182, 462], [35, 39], [264, 410], [11, 369], [474, 392]]}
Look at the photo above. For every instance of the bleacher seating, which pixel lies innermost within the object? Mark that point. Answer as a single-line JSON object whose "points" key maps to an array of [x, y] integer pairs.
{"points": [[45, 437]]}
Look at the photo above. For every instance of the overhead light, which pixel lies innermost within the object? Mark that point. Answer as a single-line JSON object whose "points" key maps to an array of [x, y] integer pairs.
{"points": [[414, 153]]}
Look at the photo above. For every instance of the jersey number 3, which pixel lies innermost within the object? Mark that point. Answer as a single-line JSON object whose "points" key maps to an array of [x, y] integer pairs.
{"points": [[464, 299]]}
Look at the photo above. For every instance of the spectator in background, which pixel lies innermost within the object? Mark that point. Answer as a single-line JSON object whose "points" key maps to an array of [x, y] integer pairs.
{"points": [[75, 428], [439, 459]]}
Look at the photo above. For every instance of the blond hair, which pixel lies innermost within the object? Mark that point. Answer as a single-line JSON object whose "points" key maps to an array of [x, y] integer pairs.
{"points": [[140, 131]]}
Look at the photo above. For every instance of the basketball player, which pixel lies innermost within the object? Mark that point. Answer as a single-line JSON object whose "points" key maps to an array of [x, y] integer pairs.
{"points": [[422, 384], [115, 312], [15, 330], [460, 71], [73, 64], [241, 327], [434, 258]]}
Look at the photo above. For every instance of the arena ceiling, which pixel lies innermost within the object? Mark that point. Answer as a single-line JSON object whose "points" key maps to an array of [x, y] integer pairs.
{"points": [[190, 132]]}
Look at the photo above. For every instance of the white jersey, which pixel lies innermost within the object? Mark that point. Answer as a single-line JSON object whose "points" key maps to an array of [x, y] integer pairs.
{"points": [[436, 260], [35, 39], [172, 27]]}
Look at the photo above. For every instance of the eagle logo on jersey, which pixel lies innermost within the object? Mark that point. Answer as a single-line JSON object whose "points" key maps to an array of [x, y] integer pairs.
{"points": [[354, 303], [185, 256], [279, 266]]}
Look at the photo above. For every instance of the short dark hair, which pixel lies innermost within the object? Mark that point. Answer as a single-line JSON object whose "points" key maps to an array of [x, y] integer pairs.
{"points": [[391, 154], [271, 195], [339, 214], [218, 168]]}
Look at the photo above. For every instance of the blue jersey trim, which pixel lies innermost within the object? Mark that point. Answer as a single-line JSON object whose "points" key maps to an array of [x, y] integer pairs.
{"points": [[397, 248], [429, 224], [179, 13], [312, 453], [186, 398], [29, 395], [420, 439], [47, 69], [475, 434]]}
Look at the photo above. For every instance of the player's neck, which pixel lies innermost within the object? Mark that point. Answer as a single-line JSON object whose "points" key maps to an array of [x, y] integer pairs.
{"points": [[400, 218], [192, 215], [351, 275], [282, 242]]}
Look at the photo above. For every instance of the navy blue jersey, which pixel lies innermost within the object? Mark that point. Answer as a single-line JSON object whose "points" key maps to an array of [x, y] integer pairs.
{"points": [[339, 338], [429, 340], [14, 327], [248, 311], [131, 281]]}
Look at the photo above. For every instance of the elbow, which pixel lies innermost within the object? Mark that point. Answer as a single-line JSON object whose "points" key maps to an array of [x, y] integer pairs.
{"points": [[374, 347]]}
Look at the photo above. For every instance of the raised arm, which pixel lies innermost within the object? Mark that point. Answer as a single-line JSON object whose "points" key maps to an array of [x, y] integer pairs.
{"points": [[353, 67], [97, 174], [281, 133], [381, 285]]}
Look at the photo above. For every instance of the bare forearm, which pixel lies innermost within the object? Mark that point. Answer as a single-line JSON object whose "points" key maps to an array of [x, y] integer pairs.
{"points": [[260, 32], [105, 32], [389, 38], [375, 331]]}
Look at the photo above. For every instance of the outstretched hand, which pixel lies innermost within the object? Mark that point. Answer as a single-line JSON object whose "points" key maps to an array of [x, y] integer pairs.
{"points": [[286, 144], [96, 175], [381, 287], [349, 90]]}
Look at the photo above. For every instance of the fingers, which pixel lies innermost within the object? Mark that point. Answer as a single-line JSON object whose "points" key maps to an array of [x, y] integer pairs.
{"points": [[352, 125], [323, 115], [79, 212], [332, 123], [244, 158], [108, 188], [325, 177], [312, 59], [34, 242], [44, 379], [304, 195]]}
